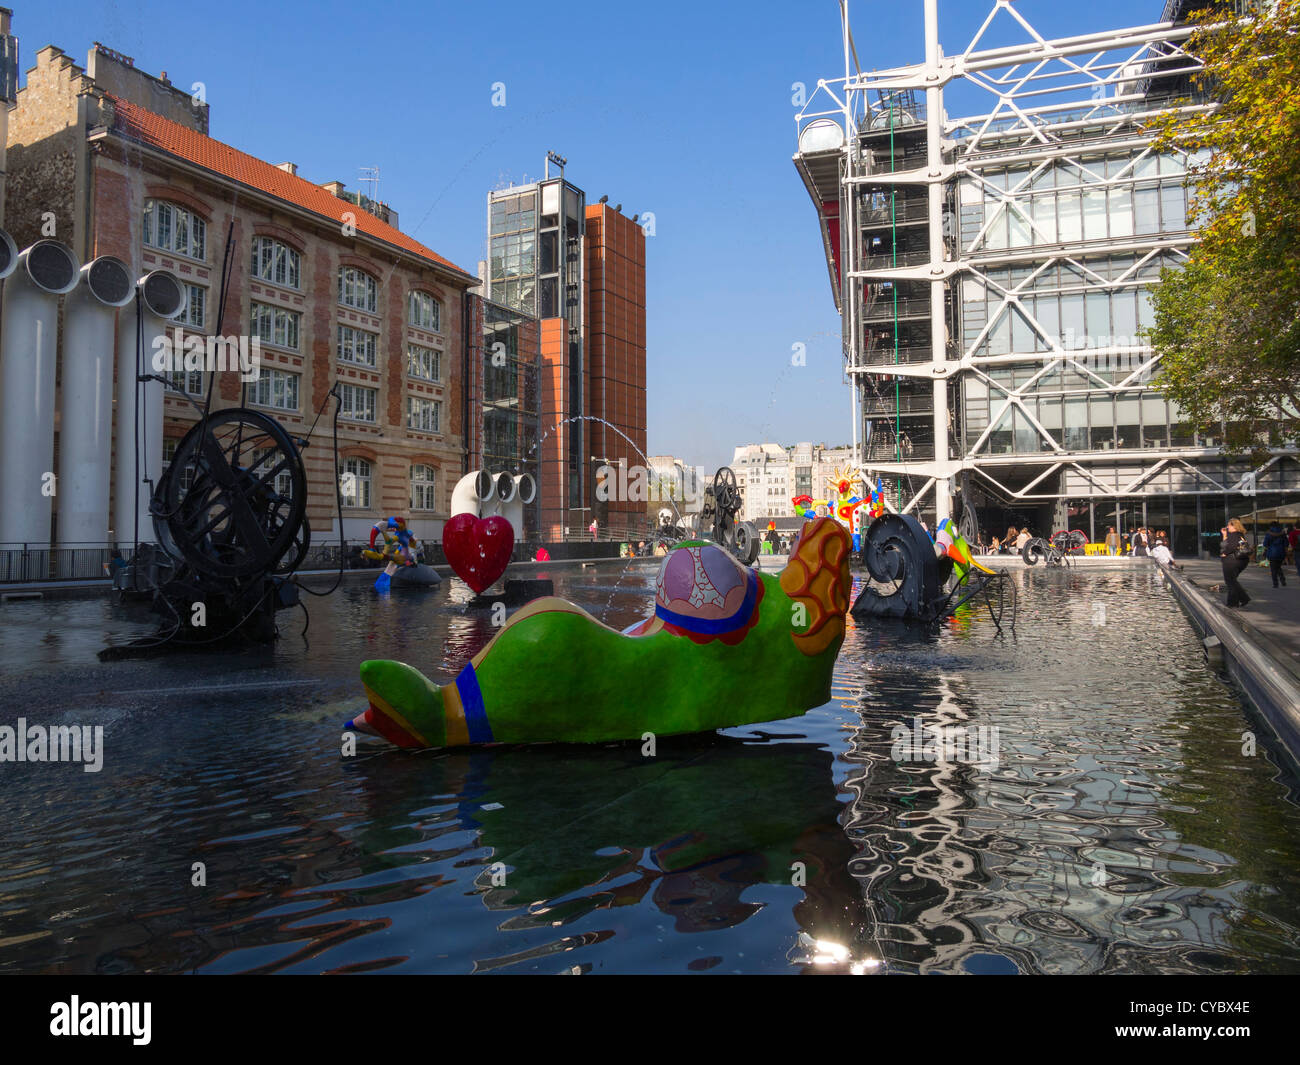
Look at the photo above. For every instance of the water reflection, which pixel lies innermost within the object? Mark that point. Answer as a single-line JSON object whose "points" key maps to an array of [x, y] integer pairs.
{"points": [[1109, 837], [1122, 829]]}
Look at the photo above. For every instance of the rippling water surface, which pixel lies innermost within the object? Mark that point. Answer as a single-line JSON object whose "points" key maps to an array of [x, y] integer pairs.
{"points": [[1121, 828]]}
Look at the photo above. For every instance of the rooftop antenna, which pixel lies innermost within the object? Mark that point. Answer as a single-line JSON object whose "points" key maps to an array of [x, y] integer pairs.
{"points": [[369, 182], [558, 160]]}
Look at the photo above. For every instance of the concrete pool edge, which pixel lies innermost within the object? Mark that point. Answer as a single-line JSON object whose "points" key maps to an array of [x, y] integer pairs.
{"points": [[1260, 667]]}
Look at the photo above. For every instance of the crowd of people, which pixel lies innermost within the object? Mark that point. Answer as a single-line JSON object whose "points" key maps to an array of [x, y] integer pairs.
{"points": [[1140, 543]]}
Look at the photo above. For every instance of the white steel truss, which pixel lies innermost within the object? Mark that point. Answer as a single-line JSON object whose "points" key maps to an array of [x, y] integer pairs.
{"points": [[1079, 107]]}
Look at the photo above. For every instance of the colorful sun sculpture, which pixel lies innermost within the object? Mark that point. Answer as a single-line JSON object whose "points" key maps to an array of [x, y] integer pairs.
{"points": [[398, 549], [846, 507], [725, 646]]}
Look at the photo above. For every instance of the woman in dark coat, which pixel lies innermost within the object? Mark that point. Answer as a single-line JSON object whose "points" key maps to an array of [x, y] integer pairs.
{"points": [[1141, 543], [1235, 552]]}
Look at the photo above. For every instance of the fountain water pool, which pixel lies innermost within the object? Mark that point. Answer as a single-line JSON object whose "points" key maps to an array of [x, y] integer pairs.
{"points": [[1119, 828]]}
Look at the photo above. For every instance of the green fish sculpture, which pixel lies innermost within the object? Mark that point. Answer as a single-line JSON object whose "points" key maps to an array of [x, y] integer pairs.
{"points": [[726, 646]]}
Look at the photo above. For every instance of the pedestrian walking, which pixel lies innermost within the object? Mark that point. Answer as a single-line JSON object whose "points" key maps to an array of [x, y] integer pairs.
{"points": [[1141, 543], [1235, 553], [1112, 541], [1293, 535], [1275, 548]]}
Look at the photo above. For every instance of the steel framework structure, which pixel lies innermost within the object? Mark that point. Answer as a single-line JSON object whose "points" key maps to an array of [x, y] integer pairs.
{"points": [[1058, 106]]}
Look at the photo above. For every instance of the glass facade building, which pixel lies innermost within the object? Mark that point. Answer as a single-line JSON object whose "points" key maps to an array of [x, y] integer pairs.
{"points": [[994, 275]]}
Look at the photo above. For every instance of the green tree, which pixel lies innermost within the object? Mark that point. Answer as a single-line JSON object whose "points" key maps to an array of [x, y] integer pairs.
{"points": [[1227, 325]]}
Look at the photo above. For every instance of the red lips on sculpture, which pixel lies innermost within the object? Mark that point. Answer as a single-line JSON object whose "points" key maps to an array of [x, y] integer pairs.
{"points": [[478, 549]]}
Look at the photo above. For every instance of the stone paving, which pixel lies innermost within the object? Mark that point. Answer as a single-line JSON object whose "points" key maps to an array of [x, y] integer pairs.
{"points": [[1275, 612]]}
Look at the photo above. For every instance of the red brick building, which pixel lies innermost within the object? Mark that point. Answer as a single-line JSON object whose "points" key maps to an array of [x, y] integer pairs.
{"points": [[122, 163], [580, 270], [616, 351]]}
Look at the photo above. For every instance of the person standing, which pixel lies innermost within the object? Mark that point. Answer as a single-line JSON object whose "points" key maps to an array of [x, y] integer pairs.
{"points": [[1275, 547], [1141, 543], [1112, 541], [1293, 536], [1234, 553], [594, 528]]}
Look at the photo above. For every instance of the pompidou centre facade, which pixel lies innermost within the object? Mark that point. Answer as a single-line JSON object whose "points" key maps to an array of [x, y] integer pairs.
{"points": [[994, 273]]}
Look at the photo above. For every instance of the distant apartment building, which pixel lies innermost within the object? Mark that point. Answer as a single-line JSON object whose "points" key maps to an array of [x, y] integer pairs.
{"points": [[773, 475], [579, 269], [762, 471], [123, 163]]}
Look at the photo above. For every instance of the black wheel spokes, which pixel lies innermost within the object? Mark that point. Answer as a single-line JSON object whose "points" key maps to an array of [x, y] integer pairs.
{"points": [[233, 521]]}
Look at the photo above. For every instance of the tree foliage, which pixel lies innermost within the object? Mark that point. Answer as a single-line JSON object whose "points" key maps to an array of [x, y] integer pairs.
{"points": [[1227, 325]]}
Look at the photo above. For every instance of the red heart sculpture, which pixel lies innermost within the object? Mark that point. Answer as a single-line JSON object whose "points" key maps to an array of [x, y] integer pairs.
{"points": [[478, 549]]}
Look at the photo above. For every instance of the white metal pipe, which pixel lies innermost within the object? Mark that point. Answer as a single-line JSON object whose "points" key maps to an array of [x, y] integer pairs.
{"points": [[86, 400], [938, 254], [471, 492], [523, 490], [28, 348], [160, 296]]}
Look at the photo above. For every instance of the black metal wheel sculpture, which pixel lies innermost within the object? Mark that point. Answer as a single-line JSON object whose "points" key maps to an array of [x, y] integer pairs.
{"points": [[242, 508], [1055, 552], [1069, 542], [722, 502], [1037, 549], [726, 491], [898, 552]]}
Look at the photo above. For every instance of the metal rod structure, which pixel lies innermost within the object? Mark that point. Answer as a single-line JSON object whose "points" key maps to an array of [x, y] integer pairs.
{"points": [[1048, 218]]}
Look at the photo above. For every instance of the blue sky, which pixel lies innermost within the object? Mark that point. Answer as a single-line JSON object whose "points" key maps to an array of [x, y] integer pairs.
{"points": [[681, 109]]}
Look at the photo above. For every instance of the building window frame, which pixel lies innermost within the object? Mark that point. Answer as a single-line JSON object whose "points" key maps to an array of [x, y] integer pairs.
{"points": [[360, 347], [423, 415], [424, 311], [196, 306], [424, 487], [174, 228], [276, 262], [275, 325], [357, 403], [423, 363], [358, 289], [362, 474], [276, 389]]}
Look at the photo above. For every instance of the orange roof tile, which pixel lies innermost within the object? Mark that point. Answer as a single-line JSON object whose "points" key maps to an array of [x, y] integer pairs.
{"points": [[153, 130]]}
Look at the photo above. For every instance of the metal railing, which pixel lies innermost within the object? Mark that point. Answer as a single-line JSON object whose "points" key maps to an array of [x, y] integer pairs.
{"points": [[883, 308], [24, 563], [891, 262]]}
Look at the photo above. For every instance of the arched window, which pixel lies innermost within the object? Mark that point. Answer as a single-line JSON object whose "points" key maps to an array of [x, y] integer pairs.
{"points": [[423, 488], [276, 262], [171, 227], [358, 289], [354, 482], [424, 312]]}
